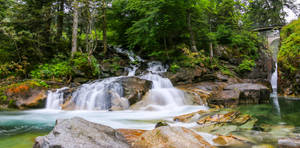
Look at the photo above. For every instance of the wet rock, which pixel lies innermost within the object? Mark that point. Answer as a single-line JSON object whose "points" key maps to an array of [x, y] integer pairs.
{"points": [[191, 116], [36, 100], [241, 119], [198, 96], [24, 95], [79, 133], [135, 88], [226, 98], [160, 124], [231, 141], [289, 143], [175, 137], [131, 135], [251, 93], [219, 118]]}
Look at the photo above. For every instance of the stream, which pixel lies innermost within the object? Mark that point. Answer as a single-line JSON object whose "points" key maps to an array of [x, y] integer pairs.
{"points": [[18, 129]]}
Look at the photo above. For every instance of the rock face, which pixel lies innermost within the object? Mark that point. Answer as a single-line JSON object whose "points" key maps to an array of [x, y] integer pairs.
{"points": [[175, 137], [186, 75], [79, 133]]}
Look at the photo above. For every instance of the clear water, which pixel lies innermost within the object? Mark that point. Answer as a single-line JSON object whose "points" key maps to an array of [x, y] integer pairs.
{"points": [[18, 129]]}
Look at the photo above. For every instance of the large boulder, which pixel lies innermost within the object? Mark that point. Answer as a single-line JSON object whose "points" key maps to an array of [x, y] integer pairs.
{"points": [[175, 137], [24, 95], [251, 93], [135, 88], [79, 133], [226, 98]]}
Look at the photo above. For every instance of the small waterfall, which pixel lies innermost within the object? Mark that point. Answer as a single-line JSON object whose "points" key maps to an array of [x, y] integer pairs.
{"points": [[98, 95], [163, 92], [133, 59], [274, 40], [55, 99]]}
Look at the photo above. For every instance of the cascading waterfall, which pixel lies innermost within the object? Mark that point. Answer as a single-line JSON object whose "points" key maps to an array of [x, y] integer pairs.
{"points": [[133, 58], [100, 95], [274, 40], [55, 99], [163, 92]]}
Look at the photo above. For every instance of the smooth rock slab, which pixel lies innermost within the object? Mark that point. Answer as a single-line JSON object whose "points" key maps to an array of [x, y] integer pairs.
{"points": [[79, 133], [171, 137]]}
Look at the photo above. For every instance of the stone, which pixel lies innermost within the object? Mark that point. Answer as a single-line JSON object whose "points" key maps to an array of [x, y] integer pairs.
{"points": [[251, 93], [36, 100], [186, 75], [241, 119], [79, 133], [230, 141], [289, 143], [175, 137], [226, 98], [219, 118], [135, 88], [189, 117], [131, 135], [160, 124]]}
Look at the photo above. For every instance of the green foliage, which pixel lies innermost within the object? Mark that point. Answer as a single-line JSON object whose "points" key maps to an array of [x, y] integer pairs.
{"points": [[246, 66], [61, 69], [85, 63], [174, 68], [288, 57], [226, 71]]}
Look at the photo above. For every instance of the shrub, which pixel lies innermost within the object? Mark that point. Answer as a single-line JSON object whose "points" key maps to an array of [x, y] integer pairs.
{"points": [[86, 64], [60, 69], [246, 66], [174, 68]]}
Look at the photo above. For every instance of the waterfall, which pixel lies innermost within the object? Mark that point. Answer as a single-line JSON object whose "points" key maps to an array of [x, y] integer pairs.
{"points": [[274, 41], [103, 94], [163, 92], [55, 99], [98, 95], [133, 59]]}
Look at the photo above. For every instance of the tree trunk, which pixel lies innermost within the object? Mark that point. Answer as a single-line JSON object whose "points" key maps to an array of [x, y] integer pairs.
{"points": [[60, 19], [192, 35], [75, 27], [104, 27]]}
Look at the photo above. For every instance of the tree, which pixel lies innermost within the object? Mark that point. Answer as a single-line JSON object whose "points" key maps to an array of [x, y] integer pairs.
{"points": [[104, 26], [75, 27], [60, 18]]}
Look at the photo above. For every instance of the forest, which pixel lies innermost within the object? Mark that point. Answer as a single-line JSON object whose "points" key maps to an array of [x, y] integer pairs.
{"points": [[149, 73], [46, 39]]}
